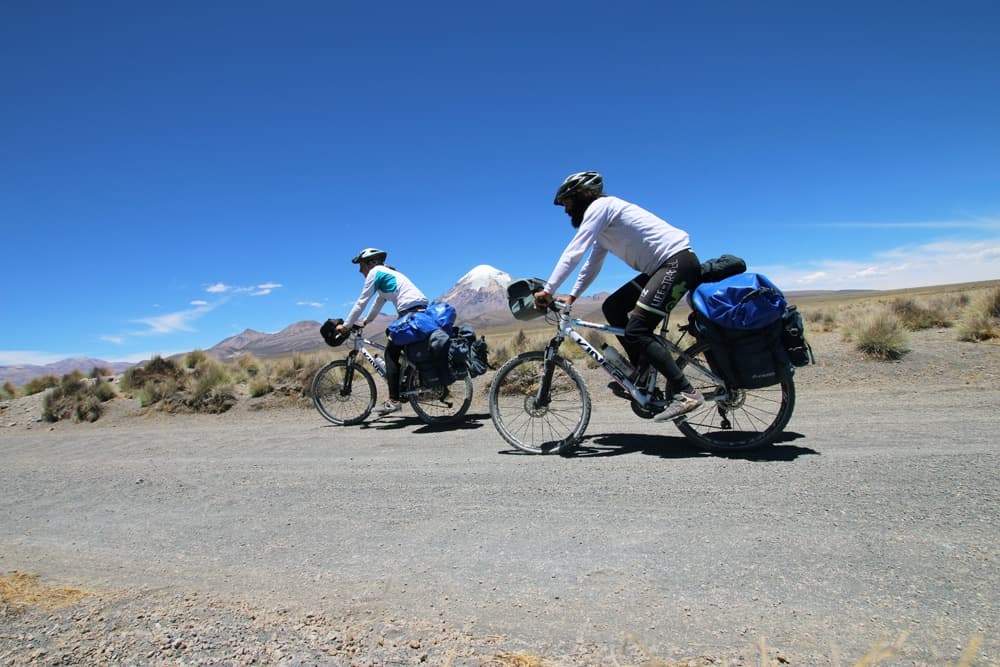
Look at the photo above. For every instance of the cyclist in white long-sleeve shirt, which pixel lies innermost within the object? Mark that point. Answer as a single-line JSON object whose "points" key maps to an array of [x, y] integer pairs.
{"points": [[659, 251], [391, 286]]}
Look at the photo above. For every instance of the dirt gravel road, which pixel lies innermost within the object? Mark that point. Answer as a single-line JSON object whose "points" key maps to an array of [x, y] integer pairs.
{"points": [[271, 537]]}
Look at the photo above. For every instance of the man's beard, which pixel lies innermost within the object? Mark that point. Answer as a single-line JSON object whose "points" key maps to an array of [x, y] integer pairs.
{"points": [[576, 212]]}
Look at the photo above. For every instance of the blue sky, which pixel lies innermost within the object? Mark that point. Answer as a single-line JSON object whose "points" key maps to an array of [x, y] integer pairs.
{"points": [[174, 173]]}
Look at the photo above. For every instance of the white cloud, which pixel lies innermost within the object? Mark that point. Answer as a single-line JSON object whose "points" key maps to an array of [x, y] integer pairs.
{"points": [[199, 302], [933, 263], [171, 322], [265, 289], [115, 340], [258, 290], [311, 304]]}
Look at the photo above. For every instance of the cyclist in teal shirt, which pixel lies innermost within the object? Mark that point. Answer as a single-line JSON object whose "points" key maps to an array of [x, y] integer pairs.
{"points": [[390, 286]]}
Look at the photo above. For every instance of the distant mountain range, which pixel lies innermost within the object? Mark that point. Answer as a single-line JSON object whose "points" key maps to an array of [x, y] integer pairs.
{"points": [[480, 297], [20, 375]]}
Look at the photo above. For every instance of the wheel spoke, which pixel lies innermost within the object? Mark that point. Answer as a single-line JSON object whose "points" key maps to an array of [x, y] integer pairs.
{"points": [[440, 405], [555, 427], [750, 418], [339, 403]]}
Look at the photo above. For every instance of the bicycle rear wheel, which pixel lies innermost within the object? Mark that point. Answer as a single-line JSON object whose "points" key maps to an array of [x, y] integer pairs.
{"points": [[739, 419], [343, 394], [439, 405], [554, 428]]}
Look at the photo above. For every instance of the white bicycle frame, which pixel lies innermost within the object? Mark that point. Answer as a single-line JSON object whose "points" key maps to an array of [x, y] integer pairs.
{"points": [[358, 342], [643, 395]]}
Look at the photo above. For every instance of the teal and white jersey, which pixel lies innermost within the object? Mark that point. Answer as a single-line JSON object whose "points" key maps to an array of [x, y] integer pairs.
{"points": [[390, 285]]}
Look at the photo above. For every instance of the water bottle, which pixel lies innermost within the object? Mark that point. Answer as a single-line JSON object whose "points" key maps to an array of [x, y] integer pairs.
{"points": [[616, 359], [380, 363]]}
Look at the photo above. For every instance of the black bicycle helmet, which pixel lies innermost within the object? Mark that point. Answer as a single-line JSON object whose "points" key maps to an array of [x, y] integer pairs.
{"points": [[578, 183], [370, 255]]}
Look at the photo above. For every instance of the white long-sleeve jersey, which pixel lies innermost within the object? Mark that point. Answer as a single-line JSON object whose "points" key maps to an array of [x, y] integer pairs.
{"points": [[633, 234], [391, 286]]}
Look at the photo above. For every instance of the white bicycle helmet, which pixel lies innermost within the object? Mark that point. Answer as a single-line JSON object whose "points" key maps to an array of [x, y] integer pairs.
{"points": [[370, 255], [583, 181]]}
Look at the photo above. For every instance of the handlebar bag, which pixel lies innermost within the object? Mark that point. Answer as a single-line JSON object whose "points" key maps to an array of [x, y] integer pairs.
{"points": [[521, 298], [329, 332]]}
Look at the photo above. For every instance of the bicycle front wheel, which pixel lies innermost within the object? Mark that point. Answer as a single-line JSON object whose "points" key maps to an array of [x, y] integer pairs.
{"points": [[738, 419], [554, 427], [343, 394], [439, 405]]}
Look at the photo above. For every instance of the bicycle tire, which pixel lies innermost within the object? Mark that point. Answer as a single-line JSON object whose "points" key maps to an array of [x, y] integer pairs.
{"points": [[336, 405], [437, 405], [556, 428], [739, 421]]}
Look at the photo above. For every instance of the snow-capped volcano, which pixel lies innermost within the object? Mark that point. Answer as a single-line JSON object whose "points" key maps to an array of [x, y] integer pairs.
{"points": [[482, 276], [481, 289]]}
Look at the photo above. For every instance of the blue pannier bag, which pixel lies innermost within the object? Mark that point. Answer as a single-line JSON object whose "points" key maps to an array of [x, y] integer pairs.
{"points": [[442, 313], [415, 327], [743, 318], [411, 328], [744, 301]]}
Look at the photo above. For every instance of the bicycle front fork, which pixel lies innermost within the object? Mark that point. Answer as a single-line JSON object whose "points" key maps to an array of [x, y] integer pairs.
{"points": [[345, 389], [544, 395]]}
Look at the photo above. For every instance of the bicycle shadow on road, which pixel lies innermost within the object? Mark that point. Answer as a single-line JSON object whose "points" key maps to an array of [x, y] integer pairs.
{"points": [[396, 422], [679, 447]]}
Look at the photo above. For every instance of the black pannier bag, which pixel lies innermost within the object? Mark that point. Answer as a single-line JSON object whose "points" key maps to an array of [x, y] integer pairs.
{"points": [[458, 357], [430, 356], [479, 353], [793, 337], [467, 355], [745, 358]]}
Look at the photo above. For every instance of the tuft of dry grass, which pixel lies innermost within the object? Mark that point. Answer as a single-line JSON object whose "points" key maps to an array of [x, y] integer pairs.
{"points": [[195, 358], [981, 319], [258, 388], [19, 589], [878, 334], [78, 398], [916, 316], [249, 364], [826, 321], [210, 376], [40, 384]]}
